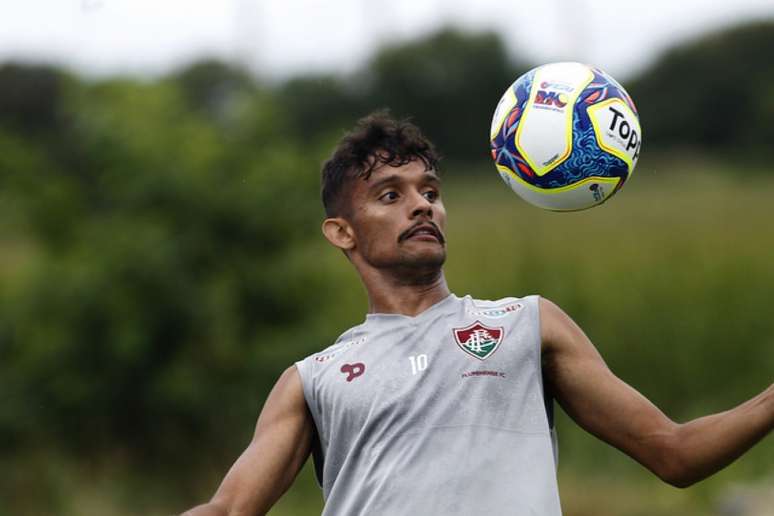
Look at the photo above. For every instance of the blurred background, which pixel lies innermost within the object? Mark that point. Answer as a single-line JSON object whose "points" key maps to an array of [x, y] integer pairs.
{"points": [[161, 262]]}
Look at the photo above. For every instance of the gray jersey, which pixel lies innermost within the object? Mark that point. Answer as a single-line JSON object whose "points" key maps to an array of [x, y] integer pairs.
{"points": [[435, 415]]}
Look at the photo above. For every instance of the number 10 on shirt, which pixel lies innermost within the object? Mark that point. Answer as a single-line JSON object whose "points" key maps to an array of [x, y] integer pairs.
{"points": [[418, 363]]}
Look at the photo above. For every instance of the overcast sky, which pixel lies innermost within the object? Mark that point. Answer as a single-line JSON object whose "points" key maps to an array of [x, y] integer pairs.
{"points": [[279, 38]]}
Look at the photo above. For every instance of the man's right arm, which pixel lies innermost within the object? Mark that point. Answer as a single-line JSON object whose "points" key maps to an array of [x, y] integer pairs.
{"points": [[601, 403], [265, 470]]}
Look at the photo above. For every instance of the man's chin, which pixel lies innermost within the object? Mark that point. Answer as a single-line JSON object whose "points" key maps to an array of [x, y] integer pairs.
{"points": [[411, 262], [425, 260], [420, 269]]}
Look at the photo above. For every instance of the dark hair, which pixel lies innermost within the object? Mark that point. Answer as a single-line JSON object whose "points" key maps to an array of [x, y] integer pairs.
{"points": [[377, 139]]}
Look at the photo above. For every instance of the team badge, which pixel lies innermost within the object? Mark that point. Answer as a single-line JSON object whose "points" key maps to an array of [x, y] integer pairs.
{"points": [[478, 340]]}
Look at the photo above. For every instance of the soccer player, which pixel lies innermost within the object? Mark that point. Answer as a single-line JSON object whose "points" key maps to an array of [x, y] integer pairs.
{"points": [[440, 405]]}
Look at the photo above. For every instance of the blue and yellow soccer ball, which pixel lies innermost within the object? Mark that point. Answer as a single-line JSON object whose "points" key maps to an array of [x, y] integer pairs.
{"points": [[565, 136]]}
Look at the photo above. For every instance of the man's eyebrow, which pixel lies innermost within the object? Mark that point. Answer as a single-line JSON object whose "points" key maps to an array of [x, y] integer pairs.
{"points": [[394, 178], [429, 177], [432, 177]]}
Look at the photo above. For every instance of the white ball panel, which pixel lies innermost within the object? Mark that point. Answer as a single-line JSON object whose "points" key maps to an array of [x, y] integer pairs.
{"points": [[507, 102], [544, 136], [581, 195]]}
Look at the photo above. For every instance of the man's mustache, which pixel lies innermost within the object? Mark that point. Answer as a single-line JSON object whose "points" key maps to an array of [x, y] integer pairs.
{"points": [[436, 231]]}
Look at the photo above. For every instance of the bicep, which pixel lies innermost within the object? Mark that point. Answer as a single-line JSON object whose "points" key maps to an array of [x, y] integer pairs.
{"points": [[594, 397], [278, 450]]}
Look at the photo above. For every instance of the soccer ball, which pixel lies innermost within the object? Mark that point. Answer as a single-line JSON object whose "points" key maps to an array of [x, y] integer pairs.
{"points": [[565, 136]]}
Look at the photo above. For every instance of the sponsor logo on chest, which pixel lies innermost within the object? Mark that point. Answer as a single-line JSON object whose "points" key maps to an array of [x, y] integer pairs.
{"points": [[324, 357], [496, 313], [353, 370]]}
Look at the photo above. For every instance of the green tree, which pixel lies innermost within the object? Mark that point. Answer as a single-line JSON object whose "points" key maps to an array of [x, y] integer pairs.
{"points": [[449, 83], [159, 272], [715, 93], [29, 98]]}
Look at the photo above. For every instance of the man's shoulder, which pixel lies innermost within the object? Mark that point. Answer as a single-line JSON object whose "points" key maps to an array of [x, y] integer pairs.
{"points": [[345, 341]]}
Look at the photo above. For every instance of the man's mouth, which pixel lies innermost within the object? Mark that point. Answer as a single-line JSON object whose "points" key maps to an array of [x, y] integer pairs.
{"points": [[424, 231]]}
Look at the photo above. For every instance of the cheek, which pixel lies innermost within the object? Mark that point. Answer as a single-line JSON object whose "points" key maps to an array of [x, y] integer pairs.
{"points": [[373, 227], [376, 218], [440, 214]]}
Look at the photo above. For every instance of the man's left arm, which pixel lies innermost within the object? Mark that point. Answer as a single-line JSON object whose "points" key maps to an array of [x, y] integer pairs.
{"points": [[602, 404]]}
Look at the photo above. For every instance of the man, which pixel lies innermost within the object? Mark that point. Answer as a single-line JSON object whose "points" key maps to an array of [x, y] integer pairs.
{"points": [[438, 404]]}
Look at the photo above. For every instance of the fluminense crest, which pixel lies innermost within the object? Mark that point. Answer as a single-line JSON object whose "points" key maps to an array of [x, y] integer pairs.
{"points": [[478, 340]]}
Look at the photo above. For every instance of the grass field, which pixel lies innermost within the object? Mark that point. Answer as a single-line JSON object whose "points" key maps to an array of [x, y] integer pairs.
{"points": [[672, 280]]}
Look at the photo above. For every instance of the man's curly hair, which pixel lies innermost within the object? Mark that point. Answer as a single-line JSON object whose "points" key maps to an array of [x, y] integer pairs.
{"points": [[377, 139]]}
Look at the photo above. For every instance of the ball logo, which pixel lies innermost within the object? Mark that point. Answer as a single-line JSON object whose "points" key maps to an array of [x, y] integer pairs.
{"points": [[556, 86], [598, 192], [550, 98], [625, 131], [353, 370]]}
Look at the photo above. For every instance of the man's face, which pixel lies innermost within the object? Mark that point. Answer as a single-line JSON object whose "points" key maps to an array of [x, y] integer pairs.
{"points": [[398, 218]]}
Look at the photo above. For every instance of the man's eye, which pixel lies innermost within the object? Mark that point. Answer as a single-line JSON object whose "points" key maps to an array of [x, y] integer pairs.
{"points": [[431, 195], [389, 196]]}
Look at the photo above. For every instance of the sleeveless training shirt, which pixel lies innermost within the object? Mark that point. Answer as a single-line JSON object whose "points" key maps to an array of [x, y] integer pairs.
{"points": [[440, 414]]}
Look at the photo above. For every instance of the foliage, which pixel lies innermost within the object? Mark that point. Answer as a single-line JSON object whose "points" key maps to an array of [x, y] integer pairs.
{"points": [[449, 83], [157, 263], [715, 93]]}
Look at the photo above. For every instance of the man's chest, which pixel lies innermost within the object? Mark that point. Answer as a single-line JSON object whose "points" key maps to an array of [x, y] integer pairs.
{"points": [[457, 371]]}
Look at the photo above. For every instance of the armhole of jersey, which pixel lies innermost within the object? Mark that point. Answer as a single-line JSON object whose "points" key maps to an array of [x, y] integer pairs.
{"points": [[548, 397], [318, 457]]}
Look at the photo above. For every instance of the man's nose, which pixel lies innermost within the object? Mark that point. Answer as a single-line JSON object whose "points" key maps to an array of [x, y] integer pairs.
{"points": [[422, 206]]}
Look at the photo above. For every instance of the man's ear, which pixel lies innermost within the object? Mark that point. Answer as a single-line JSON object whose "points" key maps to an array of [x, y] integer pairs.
{"points": [[339, 233]]}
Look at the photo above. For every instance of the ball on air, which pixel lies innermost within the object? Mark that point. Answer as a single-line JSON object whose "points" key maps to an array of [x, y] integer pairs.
{"points": [[565, 136]]}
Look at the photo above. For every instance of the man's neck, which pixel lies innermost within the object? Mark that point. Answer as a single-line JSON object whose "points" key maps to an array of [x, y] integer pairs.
{"points": [[390, 295]]}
